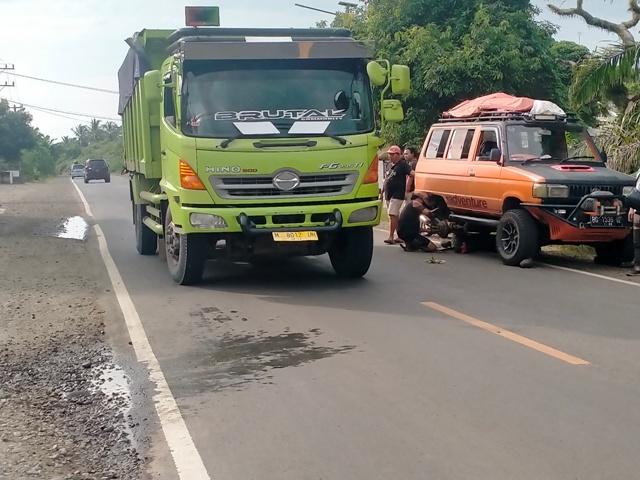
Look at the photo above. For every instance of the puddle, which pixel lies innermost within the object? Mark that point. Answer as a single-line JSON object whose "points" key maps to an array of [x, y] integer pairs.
{"points": [[114, 384], [75, 228], [236, 360]]}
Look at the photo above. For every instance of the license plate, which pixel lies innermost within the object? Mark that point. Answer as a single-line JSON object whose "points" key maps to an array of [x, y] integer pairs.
{"points": [[605, 221], [295, 236]]}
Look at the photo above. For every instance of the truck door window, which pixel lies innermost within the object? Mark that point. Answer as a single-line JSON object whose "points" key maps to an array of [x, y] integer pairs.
{"points": [[169, 104], [438, 143], [488, 141], [460, 144]]}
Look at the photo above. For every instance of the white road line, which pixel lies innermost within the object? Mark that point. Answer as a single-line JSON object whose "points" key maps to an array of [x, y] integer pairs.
{"points": [[596, 275], [185, 455], [84, 202]]}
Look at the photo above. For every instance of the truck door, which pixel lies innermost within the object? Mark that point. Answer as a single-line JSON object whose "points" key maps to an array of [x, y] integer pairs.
{"points": [[483, 185]]}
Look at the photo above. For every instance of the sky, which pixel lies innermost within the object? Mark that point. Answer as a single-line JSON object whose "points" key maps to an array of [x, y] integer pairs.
{"points": [[82, 42]]}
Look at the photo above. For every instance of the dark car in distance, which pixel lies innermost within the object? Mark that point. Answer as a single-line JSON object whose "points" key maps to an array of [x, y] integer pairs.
{"points": [[96, 169]]}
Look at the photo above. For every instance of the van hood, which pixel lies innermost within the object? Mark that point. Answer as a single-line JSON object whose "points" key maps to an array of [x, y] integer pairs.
{"points": [[578, 174]]}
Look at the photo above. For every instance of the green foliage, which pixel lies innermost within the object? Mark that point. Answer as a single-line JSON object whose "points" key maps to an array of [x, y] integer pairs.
{"points": [[16, 134], [94, 141], [461, 49]]}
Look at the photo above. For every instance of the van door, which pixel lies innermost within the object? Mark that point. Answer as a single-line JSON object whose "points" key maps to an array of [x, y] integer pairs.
{"points": [[483, 186], [441, 169]]}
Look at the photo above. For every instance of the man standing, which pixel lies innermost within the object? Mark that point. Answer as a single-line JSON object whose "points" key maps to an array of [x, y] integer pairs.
{"points": [[634, 217], [394, 189], [411, 157]]}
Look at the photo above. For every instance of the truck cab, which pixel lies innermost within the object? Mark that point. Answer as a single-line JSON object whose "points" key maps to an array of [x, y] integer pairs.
{"points": [[254, 143]]}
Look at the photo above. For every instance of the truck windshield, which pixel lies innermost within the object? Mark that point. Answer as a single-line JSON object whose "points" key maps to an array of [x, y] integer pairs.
{"points": [[276, 97], [556, 142]]}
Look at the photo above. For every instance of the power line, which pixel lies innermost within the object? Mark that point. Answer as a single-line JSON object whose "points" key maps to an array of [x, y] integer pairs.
{"points": [[62, 116], [48, 110], [65, 84]]}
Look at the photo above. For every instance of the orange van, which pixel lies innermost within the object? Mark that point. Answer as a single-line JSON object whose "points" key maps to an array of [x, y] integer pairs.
{"points": [[531, 176]]}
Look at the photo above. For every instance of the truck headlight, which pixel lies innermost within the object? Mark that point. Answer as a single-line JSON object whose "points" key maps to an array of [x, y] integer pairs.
{"points": [[206, 221], [368, 214], [627, 190], [550, 190]]}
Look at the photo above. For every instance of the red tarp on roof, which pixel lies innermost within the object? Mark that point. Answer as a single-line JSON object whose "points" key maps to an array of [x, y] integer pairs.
{"points": [[500, 102]]}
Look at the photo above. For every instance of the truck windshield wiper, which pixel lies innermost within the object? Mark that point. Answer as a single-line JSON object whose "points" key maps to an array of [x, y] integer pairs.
{"points": [[225, 143], [538, 159], [577, 157]]}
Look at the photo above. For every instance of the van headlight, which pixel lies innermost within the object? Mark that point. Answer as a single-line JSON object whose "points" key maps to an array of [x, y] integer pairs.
{"points": [[627, 190], [550, 190]]}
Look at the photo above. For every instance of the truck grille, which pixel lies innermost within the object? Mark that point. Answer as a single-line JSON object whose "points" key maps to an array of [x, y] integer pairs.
{"points": [[262, 186], [579, 191]]}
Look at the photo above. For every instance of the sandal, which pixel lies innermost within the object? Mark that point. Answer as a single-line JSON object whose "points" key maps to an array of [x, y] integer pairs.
{"points": [[389, 241]]}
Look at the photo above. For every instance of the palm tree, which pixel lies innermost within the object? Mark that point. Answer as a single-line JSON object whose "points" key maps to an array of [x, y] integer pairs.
{"points": [[95, 129], [112, 130], [613, 74], [82, 134]]}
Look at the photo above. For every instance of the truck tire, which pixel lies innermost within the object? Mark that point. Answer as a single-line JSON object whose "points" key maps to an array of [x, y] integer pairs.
{"points": [[186, 253], [352, 251], [616, 253], [517, 237], [146, 239]]}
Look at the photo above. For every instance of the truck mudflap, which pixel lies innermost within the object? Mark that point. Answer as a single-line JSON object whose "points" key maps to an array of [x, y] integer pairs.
{"points": [[598, 217], [250, 228]]}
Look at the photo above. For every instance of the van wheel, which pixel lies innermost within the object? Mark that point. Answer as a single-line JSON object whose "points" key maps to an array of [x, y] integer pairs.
{"points": [[616, 253], [352, 251], [186, 253], [517, 237], [146, 239]]}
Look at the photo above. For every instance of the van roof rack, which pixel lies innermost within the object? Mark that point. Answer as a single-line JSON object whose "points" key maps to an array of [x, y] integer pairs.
{"points": [[506, 116]]}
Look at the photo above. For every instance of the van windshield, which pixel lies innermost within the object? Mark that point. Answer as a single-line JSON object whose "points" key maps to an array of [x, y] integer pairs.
{"points": [[556, 142], [276, 97]]}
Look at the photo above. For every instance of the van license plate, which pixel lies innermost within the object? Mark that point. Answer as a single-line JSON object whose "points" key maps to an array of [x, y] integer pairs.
{"points": [[605, 221], [295, 236]]}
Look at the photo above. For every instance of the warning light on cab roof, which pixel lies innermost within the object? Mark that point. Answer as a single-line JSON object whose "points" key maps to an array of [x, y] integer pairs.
{"points": [[202, 16]]}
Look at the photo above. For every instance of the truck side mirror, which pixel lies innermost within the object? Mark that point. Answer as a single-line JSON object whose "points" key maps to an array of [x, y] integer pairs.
{"points": [[400, 79], [377, 73], [392, 111], [495, 155], [153, 86]]}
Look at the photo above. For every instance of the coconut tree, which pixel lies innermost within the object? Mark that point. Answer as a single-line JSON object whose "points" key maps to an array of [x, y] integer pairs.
{"points": [[82, 134], [614, 72]]}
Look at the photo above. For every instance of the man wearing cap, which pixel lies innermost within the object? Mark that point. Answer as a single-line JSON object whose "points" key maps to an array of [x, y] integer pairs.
{"points": [[394, 189]]}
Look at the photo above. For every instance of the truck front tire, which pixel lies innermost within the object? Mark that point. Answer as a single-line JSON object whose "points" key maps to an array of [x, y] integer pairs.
{"points": [[146, 239], [352, 251], [186, 253], [517, 237]]}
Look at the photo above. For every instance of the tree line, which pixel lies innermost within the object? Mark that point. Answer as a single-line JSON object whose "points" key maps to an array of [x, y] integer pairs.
{"points": [[23, 147]]}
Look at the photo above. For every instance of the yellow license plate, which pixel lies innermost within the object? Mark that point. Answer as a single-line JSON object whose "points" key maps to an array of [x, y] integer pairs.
{"points": [[295, 236]]}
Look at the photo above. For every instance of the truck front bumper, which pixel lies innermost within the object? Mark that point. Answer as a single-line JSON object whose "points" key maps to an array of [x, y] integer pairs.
{"points": [[275, 218]]}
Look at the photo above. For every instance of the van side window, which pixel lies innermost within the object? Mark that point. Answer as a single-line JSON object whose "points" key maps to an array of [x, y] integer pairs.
{"points": [[488, 141], [438, 143], [460, 144]]}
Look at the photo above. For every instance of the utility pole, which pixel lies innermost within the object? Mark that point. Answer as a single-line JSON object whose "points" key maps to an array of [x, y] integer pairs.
{"points": [[6, 68]]}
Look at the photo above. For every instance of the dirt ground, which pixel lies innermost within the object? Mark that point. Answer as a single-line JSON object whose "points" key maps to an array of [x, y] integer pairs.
{"points": [[64, 405]]}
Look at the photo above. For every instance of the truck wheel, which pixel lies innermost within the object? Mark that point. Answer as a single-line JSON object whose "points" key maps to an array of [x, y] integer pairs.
{"points": [[352, 251], [186, 253], [616, 253], [146, 239], [517, 237]]}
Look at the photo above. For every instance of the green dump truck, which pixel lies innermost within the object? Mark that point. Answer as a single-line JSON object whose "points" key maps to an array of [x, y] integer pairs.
{"points": [[253, 144]]}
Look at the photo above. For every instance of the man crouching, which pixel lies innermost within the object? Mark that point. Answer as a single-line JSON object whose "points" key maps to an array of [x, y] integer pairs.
{"points": [[409, 230]]}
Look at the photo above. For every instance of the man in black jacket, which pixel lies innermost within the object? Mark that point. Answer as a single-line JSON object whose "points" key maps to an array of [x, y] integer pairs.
{"points": [[409, 230]]}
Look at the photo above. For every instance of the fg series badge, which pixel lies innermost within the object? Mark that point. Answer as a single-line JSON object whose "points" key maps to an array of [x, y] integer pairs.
{"points": [[340, 166]]}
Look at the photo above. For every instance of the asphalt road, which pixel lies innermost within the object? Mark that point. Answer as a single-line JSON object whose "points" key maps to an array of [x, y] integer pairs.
{"points": [[288, 373]]}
